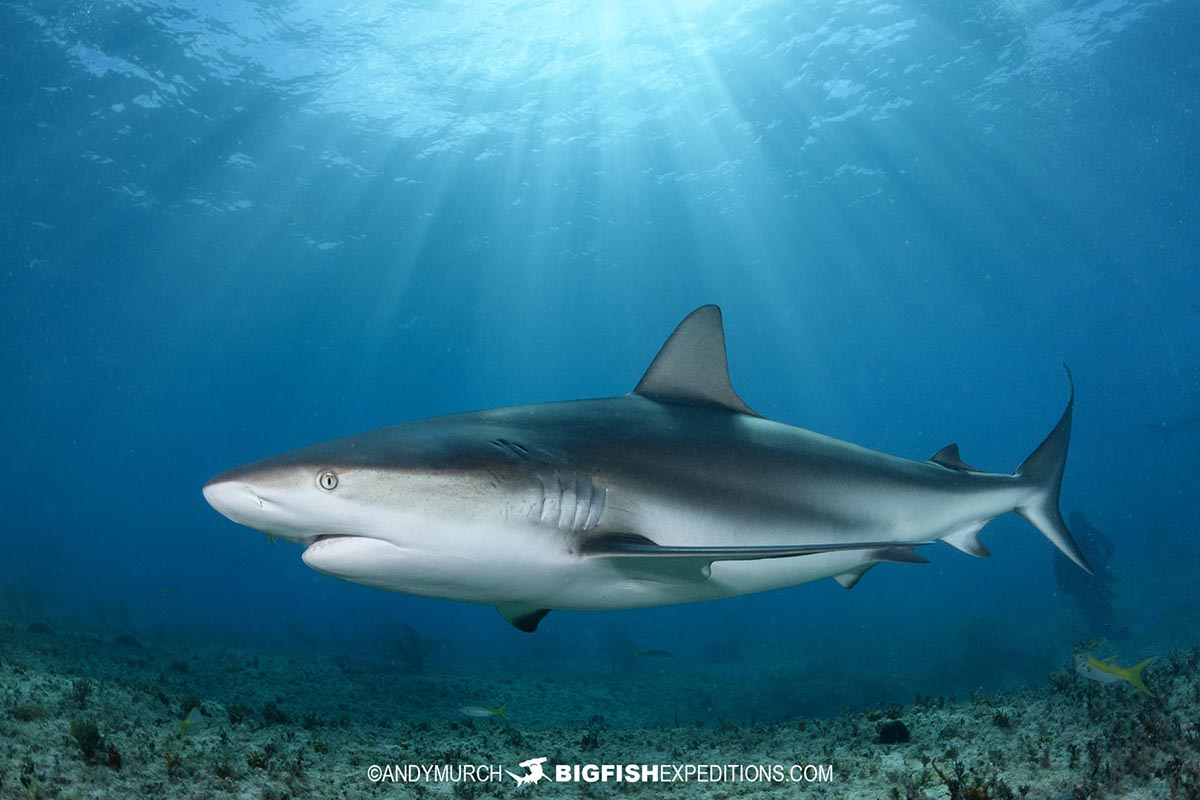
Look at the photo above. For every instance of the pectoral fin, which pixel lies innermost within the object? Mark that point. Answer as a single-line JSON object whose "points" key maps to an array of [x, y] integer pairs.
{"points": [[632, 545], [647, 560]]}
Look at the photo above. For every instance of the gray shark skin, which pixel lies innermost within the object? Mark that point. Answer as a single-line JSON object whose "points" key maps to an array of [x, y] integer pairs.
{"points": [[674, 493]]}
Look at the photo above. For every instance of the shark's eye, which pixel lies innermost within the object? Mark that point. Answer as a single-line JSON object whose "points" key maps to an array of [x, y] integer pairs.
{"points": [[327, 480]]}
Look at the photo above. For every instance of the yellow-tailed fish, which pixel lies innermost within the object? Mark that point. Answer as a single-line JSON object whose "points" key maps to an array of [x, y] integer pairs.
{"points": [[188, 726], [1109, 671], [481, 712]]}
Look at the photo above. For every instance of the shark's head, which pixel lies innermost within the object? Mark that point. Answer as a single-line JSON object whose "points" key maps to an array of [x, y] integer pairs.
{"points": [[298, 496], [377, 508], [374, 485]]}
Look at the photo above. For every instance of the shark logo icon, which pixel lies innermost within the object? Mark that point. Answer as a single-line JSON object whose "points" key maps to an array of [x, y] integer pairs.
{"points": [[533, 772]]}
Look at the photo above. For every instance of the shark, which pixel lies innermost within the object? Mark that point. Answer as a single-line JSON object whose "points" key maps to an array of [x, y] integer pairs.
{"points": [[675, 492]]}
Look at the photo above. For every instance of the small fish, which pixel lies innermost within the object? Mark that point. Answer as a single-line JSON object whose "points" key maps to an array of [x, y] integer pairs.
{"points": [[481, 712], [1176, 427], [1109, 671], [167, 591], [653, 653], [189, 724], [271, 540]]}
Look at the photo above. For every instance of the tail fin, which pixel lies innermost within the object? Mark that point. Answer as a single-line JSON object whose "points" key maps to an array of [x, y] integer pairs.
{"points": [[1044, 469], [1134, 673]]}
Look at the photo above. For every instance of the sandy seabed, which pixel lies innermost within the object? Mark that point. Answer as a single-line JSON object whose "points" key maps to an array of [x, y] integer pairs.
{"points": [[92, 714]]}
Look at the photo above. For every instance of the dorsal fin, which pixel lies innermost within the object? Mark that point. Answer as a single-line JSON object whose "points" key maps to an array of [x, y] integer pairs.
{"points": [[691, 367], [948, 457]]}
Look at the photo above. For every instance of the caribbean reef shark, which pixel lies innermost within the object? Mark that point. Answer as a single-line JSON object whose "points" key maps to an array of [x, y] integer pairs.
{"points": [[674, 493]]}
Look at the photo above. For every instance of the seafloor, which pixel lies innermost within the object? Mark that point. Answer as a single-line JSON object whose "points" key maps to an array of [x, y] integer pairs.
{"points": [[91, 714]]}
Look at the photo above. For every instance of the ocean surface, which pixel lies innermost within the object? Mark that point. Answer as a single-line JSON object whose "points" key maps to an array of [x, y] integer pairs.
{"points": [[234, 229]]}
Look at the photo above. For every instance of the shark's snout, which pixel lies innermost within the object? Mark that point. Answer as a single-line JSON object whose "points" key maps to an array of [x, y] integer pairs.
{"points": [[274, 502], [236, 499]]}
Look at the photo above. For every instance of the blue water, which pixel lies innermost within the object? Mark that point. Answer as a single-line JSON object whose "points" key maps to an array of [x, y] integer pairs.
{"points": [[233, 229]]}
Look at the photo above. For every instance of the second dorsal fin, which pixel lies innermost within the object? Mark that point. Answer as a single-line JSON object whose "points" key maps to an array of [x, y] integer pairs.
{"points": [[948, 457], [691, 368]]}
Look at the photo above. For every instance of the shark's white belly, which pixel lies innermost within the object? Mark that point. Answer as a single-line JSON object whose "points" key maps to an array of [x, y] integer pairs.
{"points": [[613, 584], [530, 566]]}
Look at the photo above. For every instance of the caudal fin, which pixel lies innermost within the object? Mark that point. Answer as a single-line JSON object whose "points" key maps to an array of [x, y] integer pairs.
{"points": [[1134, 674], [1044, 470]]}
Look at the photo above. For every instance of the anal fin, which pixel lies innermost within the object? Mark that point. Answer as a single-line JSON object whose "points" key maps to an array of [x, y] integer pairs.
{"points": [[967, 540]]}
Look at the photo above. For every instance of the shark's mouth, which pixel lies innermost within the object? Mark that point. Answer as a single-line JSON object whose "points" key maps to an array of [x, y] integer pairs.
{"points": [[355, 558], [333, 540], [314, 537], [325, 537]]}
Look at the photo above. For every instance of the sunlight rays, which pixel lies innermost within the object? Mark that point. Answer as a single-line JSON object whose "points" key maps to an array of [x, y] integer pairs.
{"points": [[537, 155]]}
